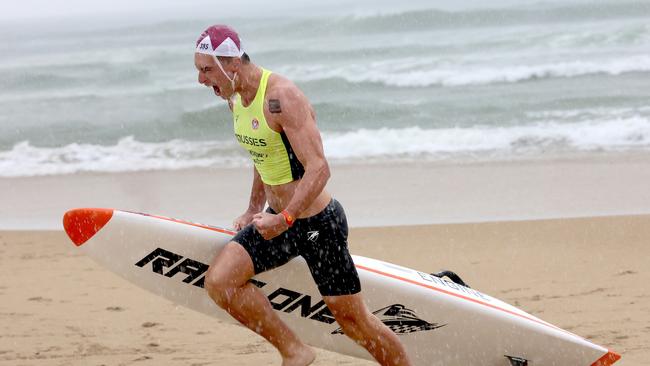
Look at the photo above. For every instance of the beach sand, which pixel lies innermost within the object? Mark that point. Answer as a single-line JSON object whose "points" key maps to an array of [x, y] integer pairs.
{"points": [[588, 275]]}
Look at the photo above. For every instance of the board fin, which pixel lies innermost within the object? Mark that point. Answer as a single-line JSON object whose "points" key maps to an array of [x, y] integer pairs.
{"points": [[452, 276], [517, 361]]}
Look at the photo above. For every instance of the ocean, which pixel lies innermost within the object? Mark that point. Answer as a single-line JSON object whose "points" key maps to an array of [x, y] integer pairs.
{"points": [[517, 80]]}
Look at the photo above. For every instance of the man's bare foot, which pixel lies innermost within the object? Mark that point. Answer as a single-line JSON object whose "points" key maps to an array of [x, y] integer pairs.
{"points": [[302, 357]]}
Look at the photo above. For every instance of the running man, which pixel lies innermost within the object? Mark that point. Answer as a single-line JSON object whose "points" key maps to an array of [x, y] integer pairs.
{"points": [[275, 123]]}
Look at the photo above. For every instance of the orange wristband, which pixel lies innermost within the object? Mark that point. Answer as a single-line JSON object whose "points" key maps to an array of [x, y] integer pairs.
{"points": [[288, 218]]}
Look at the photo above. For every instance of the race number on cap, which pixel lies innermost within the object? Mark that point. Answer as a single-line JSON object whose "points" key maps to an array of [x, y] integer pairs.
{"points": [[205, 46]]}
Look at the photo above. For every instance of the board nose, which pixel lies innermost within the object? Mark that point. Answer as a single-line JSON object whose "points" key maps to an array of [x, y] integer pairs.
{"points": [[608, 359], [82, 224]]}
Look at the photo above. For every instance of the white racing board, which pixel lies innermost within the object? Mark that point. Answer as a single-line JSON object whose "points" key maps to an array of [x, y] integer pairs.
{"points": [[440, 322]]}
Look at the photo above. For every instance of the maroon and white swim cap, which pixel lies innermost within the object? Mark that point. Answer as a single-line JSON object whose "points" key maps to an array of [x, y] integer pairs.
{"points": [[219, 40]]}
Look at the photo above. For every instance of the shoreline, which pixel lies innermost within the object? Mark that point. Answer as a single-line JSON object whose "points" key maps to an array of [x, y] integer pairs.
{"points": [[372, 194]]}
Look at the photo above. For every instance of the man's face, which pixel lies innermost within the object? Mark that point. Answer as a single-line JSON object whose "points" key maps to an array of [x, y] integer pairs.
{"points": [[211, 75]]}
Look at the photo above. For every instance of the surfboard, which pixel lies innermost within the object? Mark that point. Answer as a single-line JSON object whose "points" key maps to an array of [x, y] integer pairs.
{"points": [[440, 322]]}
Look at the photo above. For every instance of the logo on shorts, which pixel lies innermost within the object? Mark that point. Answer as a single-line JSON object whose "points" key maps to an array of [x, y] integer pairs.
{"points": [[312, 235], [401, 320], [255, 124]]}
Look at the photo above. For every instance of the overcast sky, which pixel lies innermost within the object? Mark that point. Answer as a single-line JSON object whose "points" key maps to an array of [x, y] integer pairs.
{"points": [[38, 9], [157, 9]]}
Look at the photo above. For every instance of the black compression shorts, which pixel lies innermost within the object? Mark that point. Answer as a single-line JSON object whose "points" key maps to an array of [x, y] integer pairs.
{"points": [[322, 240]]}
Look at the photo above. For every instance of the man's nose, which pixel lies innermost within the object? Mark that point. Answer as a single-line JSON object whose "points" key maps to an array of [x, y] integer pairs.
{"points": [[202, 78]]}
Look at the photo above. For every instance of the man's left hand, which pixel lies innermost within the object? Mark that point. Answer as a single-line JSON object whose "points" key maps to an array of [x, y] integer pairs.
{"points": [[269, 225]]}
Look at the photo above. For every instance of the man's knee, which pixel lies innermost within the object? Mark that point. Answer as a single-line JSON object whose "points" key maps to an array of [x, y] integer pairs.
{"points": [[354, 320], [354, 326], [229, 271], [218, 286]]}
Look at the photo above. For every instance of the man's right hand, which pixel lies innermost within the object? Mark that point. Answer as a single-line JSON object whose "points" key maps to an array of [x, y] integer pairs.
{"points": [[243, 220]]}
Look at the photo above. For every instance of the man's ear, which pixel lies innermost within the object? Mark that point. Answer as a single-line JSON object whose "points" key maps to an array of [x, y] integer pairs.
{"points": [[236, 64]]}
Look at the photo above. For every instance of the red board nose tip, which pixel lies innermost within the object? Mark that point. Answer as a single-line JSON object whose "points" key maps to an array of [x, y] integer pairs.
{"points": [[608, 359], [82, 224]]}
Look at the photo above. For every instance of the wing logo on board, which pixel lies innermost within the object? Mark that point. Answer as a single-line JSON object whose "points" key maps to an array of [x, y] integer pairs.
{"points": [[401, 320]]}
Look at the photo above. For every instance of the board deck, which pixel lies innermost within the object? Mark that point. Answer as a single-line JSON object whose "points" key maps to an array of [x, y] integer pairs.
{"points": [[439, 321]]}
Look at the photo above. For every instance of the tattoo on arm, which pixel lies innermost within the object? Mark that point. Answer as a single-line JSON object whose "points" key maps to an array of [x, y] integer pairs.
{"points": [[274, 106]]}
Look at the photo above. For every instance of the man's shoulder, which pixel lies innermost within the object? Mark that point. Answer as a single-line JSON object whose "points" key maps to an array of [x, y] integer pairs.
{"points": [[280, 87]]}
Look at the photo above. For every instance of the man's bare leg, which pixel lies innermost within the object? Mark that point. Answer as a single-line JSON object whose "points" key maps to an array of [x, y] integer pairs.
{"points": [[227, 284], [367, 330]]}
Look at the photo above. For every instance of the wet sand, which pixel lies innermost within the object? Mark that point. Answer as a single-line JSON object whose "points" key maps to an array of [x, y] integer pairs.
{"points": [[373, 195]]}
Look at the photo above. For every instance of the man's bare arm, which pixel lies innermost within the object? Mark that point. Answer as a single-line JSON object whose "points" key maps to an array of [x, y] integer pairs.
{"points": [[294, 113], [255, 204], [258, 195]]}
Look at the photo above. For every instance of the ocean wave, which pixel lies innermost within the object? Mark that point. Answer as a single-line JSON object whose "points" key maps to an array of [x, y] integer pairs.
{"points": [[428, 18], [542, 13], [575, 39], [485, 141], [424, 73], [97, 77], [362, 145], [614, 35], [588, 114], [127, 155]]}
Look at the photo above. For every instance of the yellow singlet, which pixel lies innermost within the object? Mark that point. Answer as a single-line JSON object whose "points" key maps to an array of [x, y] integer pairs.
{"points": [[271, 151]]}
